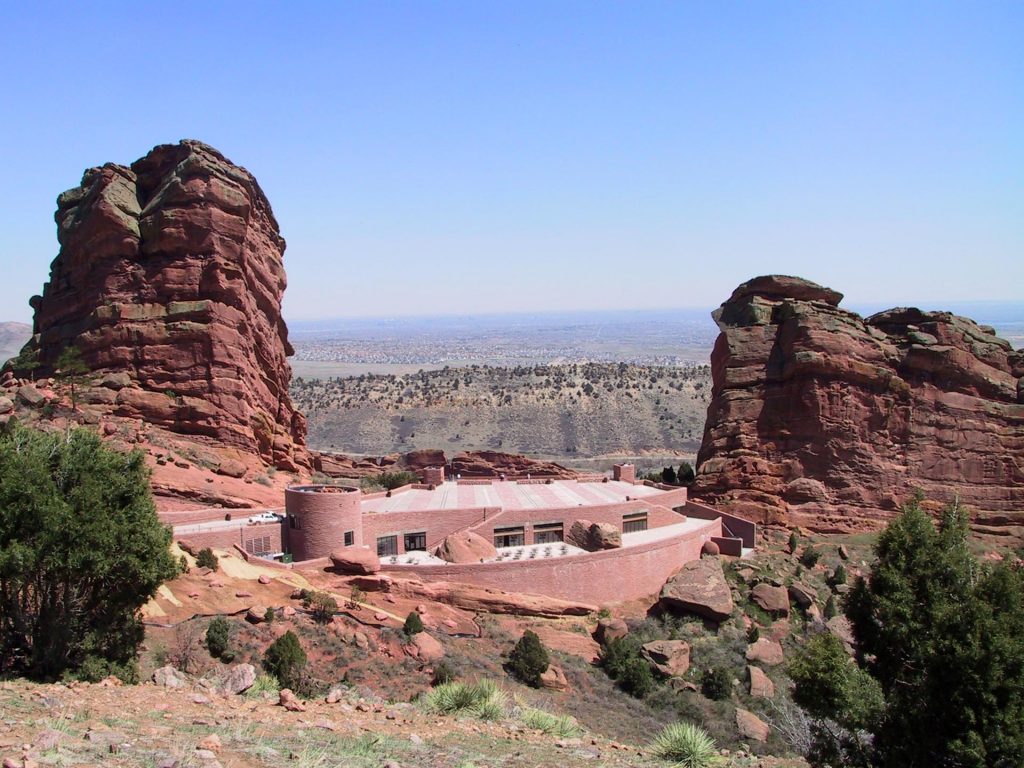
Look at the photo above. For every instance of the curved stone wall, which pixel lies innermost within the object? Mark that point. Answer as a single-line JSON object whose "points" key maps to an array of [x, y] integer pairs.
{"points": [[609, 576], [317, 518]]}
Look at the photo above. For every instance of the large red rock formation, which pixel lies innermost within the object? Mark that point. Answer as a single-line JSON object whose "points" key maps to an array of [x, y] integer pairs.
{"points": [[822, 418], [170, 277]]}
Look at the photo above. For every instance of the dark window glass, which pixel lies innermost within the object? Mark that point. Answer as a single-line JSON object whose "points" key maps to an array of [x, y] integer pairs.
{"points": [[350, 538], [387, 545], [415, 541], [509, 537], [634, 523]]}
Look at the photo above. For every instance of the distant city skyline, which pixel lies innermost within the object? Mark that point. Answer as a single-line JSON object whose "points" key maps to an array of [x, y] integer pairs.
{"points": [[439, 158]]}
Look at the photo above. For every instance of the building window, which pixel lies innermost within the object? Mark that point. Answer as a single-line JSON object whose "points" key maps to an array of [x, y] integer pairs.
{"points": [[350, 538], [387, 546], [509, 537], [635, 521], [548, 533], [293, 521], [415, 541]]}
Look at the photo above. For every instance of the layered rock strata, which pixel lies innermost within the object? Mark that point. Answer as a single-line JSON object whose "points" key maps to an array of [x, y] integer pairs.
{"points": [[820, 417], [169, 278]]}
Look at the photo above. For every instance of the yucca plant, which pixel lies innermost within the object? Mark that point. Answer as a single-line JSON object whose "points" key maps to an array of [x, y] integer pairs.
{"points": [[483, 699], [687, 745], [563, 726]]}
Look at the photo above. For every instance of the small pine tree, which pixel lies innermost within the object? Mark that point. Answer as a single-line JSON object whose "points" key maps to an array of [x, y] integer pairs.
{"points": [[794, 542], [218, 633], [206, 559], [668, 476], [838, 576], [413, 624], [183, 565], [529, 659], [830, 608], [809, 557], [269, 616], [716, 683], [286, 660], [71, 368], [686, 475]]}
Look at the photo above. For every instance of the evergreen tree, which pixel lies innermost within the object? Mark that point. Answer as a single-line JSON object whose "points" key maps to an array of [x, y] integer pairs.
{"points": [[686, 475], [218, 632], [668, 476], [70, 369], [942, 637], [413, 624], [81, 551], [285, 659], [529, 659]]}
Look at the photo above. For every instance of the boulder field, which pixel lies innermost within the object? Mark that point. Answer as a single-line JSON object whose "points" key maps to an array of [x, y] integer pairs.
{"points": [[825, 419]]}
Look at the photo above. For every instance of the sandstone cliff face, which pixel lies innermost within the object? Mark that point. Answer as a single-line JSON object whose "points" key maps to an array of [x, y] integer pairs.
{"points": [[171, 272], [822, 418]]}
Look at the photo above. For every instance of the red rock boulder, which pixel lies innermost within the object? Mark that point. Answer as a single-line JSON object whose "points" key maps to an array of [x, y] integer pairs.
{"points": [[593, 537], [358, 561], [465, 547]]}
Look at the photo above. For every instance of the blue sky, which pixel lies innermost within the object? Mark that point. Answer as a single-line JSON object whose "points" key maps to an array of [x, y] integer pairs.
{"points": [[514, 156]]}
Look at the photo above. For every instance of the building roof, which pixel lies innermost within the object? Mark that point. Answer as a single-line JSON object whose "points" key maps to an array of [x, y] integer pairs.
{"points": [[510, 495]]}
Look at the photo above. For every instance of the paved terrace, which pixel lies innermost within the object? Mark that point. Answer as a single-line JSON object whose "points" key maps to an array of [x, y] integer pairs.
{"points": [[510, 495]]}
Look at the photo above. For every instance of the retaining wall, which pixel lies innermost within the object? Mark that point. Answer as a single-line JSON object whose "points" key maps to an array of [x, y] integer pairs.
{"points": [[596, 577]]}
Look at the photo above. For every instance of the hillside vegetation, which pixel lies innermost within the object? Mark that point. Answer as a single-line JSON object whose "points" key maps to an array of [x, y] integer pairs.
{"points": [[586, 409]]}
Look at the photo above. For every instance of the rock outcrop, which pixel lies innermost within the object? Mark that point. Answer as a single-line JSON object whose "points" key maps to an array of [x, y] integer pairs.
{"points": [[169, 278], [483, 464], [822, 418]]}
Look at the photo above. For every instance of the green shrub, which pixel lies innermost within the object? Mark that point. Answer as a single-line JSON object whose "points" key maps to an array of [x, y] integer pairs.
{"points": [[413, 624], [183, 566], [621, 659], [443, 673], [286, 660], [716, 683], [753, 634], [218, 634], [830, 608], [809, 557], [96, 668], [687, 745], [321, 606], [269, 615], [794, 542], [529, 659], [838, 576], [206, 559]]}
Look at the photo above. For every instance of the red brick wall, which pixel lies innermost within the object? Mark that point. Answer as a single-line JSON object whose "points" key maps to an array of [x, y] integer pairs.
{"points": [[437, 523], [432, 475], [321, 521], [224, 539], [657, 516], [624, 472], [596, 577]]}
